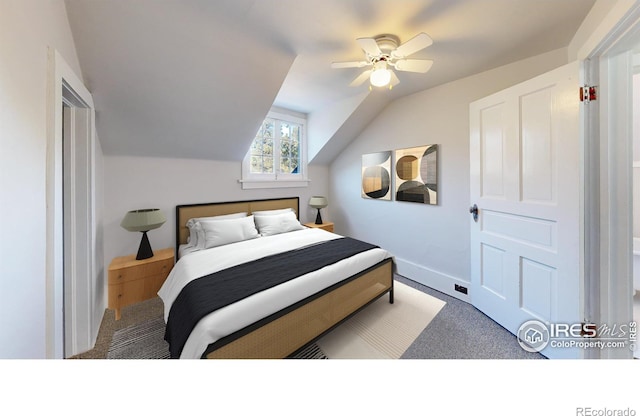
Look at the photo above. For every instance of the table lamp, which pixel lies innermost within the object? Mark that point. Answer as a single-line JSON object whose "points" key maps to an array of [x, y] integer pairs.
{"points": [[143, 220], [318, 202]]}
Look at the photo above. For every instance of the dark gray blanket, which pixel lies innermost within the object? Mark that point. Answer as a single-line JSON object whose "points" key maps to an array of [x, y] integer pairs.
{"points": [[217, 290]]}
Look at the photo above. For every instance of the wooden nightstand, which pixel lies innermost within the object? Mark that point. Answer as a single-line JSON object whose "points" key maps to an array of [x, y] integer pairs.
{"points": [[328, 226], [132, 281]]}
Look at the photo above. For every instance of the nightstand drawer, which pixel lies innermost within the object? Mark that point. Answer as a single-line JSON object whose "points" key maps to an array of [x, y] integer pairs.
{"points": [[135, 291], [132, 281], [127, 274]]}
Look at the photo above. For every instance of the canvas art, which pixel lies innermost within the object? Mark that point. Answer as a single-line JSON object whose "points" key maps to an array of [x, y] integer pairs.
{"points": [[376, 176], [416, 174]]}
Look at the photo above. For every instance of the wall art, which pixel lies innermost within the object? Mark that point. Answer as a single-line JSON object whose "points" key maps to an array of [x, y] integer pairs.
{"points": [[376, 176], [416, 174]]}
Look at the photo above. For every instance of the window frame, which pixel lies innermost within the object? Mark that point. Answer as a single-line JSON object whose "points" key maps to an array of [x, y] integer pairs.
{"points": [[278, 180]]}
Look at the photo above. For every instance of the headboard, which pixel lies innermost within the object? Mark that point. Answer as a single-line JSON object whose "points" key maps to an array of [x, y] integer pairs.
{"points": [[186, 212]]}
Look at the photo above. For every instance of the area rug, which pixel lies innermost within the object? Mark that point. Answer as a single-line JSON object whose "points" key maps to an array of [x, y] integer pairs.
{"points": [[142, 341], [381, 330], [145, 341]]}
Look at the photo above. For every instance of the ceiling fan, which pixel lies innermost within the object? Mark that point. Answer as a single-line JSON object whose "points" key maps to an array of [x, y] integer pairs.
{"points": [[383, 53]]}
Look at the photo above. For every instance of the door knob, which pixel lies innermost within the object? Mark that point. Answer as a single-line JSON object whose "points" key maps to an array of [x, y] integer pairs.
{"points": [[474, 211]]}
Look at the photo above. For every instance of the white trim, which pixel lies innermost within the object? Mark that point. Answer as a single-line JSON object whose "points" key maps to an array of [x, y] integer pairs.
{"points": [[616, 224], [266, 184], [590, 204], [434, 279], [613, 61], [612, 26], [60, 76]]}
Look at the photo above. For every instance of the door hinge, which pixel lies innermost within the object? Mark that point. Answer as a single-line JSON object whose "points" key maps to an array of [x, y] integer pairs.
{"points": [[588, 93]]}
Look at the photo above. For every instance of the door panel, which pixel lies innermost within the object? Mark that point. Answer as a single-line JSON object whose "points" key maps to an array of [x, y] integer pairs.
{"points": [[525, 180], [538, 281], [493, 265], [493, 152], [537, 144]]}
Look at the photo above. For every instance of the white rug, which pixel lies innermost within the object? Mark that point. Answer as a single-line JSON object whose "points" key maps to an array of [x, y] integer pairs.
{"points": [[383, 330]]}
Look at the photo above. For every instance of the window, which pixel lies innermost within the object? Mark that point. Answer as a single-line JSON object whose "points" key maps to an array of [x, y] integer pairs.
{"points": [[264, 155], [277, 155]]}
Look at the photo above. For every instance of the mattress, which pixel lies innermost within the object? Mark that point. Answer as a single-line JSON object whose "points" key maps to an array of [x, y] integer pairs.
{"points": [[232, 318]]}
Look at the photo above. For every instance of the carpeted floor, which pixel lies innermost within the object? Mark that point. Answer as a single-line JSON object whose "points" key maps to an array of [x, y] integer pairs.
{"points": [[131, 315], [459, 331], [142, 341]]}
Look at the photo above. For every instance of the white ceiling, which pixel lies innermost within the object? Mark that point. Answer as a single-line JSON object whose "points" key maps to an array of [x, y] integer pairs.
{"points": [[195, 78]]}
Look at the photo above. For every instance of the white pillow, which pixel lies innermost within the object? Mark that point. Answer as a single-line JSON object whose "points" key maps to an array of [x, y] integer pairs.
{"points": [[221, 232], [277, 223], [193, 230], [272, 212], [199, 244]]}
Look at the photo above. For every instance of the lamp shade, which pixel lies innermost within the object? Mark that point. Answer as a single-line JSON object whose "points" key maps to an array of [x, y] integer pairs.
{"points": [[143, 220], [318, 202]]}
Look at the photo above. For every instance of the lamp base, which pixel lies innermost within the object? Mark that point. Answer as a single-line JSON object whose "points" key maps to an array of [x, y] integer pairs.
{"points": [[144, 251], [318, 217]]}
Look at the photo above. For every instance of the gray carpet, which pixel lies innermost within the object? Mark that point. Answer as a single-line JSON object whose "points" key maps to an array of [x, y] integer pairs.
{"points": [[460, 331], [141, 341]]}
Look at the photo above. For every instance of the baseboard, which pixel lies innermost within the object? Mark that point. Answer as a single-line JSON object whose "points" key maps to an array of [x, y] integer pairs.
{"points": [[436, 280]]}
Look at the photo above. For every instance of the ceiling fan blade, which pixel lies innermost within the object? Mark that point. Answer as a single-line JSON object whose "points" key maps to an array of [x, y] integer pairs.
{"points": [[413, 45], [360, 78], [370, 46], [352, 64], [394, 79], [414, 65]]}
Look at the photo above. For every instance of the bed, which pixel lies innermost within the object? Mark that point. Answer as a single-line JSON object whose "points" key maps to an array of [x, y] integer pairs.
{"points": [[269, 321]]}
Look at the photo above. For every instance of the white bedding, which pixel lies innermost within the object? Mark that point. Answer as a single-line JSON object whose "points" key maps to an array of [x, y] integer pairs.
{"points": [[185, 249], [234, 317]]}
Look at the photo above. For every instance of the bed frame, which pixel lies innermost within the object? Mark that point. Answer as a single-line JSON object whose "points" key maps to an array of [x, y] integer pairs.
{"points": [[293, 328]]}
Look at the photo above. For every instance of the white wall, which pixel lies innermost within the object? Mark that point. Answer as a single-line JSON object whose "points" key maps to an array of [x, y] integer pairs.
{"points": [[139, 182], [431, 243], [636, 156], [27, 28]]}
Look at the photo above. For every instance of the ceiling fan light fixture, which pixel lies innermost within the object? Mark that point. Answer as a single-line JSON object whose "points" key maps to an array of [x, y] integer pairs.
{"points": [[382, 52], [380, 76]]}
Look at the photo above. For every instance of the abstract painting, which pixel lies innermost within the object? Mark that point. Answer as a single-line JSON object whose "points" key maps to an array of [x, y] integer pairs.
{"points": [[416, 174], [376, 176]]}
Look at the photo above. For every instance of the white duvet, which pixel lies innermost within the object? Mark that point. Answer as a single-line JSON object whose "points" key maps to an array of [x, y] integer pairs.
{"points": [[232, 318]]}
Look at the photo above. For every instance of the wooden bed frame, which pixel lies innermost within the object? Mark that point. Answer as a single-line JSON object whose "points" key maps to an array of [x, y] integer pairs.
{"points": [[291, 329]]}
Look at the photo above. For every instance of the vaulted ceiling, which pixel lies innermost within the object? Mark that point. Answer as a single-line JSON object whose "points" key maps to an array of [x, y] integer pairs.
{"points": [[195, 78]]}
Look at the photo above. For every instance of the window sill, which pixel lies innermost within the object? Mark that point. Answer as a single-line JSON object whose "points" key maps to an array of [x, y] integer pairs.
{"points": [[265, 184]]}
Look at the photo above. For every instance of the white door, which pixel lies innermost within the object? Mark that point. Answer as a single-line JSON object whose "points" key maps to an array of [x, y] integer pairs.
{"points": [[526, 245]]}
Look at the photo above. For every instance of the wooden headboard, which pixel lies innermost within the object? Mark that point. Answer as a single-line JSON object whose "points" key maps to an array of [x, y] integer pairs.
{"points": [[185, 212]]}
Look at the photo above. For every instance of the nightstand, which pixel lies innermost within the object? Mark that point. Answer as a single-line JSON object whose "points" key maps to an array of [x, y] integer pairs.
{"points": [[328, 226], [132, 281]]}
